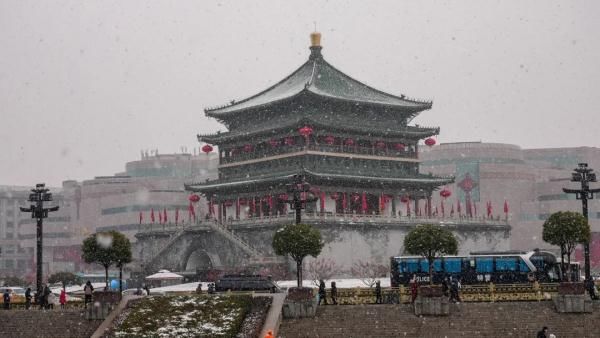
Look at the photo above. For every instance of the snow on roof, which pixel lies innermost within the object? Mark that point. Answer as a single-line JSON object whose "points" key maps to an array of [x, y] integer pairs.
{"points": [[164, 274], [321, 78]]}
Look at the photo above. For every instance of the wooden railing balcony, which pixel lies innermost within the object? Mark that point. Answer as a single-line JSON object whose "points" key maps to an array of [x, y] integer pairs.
{"points": [[327, 217], [339, 149]]}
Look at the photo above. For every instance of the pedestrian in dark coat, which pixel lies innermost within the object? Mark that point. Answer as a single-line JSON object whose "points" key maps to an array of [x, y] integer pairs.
{"points": [[333, 293], [6, 297], [322, 292], [88, 290], [28, 298], [543, 333], [378, 298], [46, 293], [445, 286]]}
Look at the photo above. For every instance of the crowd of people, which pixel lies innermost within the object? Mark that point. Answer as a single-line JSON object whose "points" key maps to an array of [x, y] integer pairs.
{"points": [[44, 298]]}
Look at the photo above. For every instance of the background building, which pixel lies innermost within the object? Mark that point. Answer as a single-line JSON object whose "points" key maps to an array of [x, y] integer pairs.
{"points": [[529, 180], [155, 182]]}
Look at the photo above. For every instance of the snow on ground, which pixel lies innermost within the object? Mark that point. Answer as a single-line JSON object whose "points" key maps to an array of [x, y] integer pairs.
{"points": [[181, 287], [340, 283]]}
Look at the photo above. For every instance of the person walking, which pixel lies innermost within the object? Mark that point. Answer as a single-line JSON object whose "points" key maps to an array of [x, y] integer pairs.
{"points": [[28, 298], [46, 294], [199, 289], [63, 299], [322, 292], [6, 297], [445, 286], [543, 333], [378, 298], [333, 293], [454, 287], [88, 291], [414, 288]]}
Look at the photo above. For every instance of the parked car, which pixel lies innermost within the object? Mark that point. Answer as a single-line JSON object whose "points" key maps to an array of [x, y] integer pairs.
{"points": [[245, 283]]}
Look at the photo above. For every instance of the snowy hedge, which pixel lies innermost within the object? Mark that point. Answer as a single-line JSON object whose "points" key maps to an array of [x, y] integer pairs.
{"points": [[185, 316]]}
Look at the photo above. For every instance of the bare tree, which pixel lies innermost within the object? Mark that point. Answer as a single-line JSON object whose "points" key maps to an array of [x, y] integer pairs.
{"points": [[368, 272], [322, 268]]}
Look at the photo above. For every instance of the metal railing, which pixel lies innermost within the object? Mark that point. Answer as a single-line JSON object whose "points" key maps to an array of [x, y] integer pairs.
{"points": [[359, 218], [468, 293]]}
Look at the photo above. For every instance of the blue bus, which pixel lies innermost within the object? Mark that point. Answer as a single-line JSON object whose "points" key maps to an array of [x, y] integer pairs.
{"points": [[505, 267]]}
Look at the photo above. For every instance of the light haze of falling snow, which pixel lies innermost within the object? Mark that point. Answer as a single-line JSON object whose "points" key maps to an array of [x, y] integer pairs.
{"points": [[84, 86]]}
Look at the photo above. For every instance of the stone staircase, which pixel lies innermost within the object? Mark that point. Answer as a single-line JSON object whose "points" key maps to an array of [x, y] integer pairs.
{"points": [[69, 323], [250, 251], [514, 319]]}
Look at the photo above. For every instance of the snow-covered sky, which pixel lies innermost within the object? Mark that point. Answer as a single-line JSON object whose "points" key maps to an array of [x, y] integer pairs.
{"points": [[85, 85]]}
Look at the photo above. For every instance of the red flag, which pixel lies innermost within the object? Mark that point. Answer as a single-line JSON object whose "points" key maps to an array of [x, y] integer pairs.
{"points": [[191, 213], [505, 207], [364, 203], [322, 201], [176, 216], [152, 215], [489, 209], [165, 215], [141, 217]]}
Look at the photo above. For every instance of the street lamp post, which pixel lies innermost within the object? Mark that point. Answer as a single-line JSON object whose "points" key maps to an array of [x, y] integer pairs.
{"points": [[38, 196], [296, 188], [584, 175]]}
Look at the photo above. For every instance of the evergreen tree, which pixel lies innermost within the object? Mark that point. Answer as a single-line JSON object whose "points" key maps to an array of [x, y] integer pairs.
{"points": [[430, 241], [298, 241], [566, 229]]}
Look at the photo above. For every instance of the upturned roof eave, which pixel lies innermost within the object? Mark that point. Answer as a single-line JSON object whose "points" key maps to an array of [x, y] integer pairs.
{"points": [[285, 177], [410, 111], [227, 136]]}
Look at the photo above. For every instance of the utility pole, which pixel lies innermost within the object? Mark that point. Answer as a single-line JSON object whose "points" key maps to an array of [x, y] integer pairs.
{"points": [[296, 188], [38, 196], [584, 175]]}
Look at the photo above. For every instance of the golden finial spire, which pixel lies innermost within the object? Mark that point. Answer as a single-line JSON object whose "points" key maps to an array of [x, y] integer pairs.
{"points": [[315, 37]]}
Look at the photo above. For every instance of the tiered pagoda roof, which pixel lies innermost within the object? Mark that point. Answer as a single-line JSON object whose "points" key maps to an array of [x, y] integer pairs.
{"points": [[317, 77], [334, 105]]}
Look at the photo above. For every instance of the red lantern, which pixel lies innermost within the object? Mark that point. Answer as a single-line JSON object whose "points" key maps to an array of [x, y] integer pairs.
{"points": [[404, 199], [305, 131], [399, 146], [380, 144], [207, 148], [248, 148], [430, 142], [289, 141], [445, 193], [329, 140], [349, 142], [335, 196], [194, 198], [273, 142]]}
